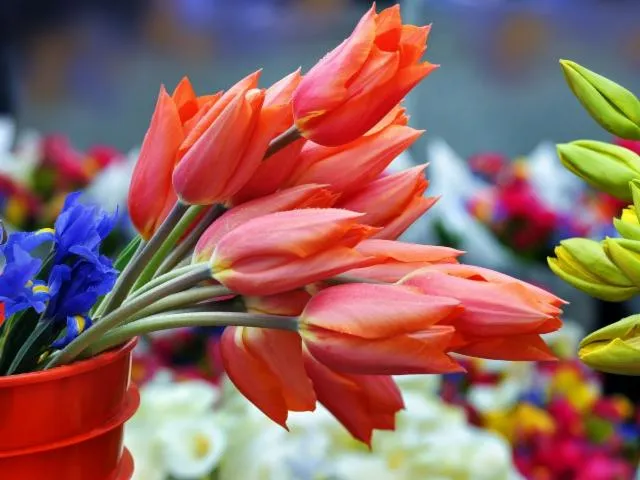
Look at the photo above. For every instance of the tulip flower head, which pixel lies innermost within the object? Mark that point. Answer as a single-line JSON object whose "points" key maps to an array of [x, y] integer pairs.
{"points": [[353, 87]]}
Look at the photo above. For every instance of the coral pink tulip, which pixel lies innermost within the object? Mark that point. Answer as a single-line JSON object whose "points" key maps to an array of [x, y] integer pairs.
{"points": [[348, 167], [502, 319], [361, 403], [150, 190], [398, 259], [392, 202], [286, 250], [379, 330], [304, 196], [274, 171], [170, 134], [266, 366], [353, 87], [289, 304]]}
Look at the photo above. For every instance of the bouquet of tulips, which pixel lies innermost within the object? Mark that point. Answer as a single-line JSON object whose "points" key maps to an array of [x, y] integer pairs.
{"points": [[269, 212], [608, 269]]}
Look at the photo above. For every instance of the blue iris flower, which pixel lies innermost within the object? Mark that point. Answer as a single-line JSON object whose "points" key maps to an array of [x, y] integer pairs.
{"points": [[75, 289], [76, 324], [80, 229], [16, 282], [27, 241]]}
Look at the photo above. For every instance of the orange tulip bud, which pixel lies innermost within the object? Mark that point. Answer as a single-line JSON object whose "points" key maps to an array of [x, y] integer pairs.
{"points": [[353, 87], [266, 366], [286, 250], [398, 259], [274, 171], [392, 202], [503, 317], [379, 330], [361, 403], [171, 133], [490, 309], [348, 167], [150, 191], [304, 196]]}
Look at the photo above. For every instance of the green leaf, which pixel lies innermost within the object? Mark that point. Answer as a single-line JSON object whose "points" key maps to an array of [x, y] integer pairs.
{"points": [[35, 345], [127, 253]]}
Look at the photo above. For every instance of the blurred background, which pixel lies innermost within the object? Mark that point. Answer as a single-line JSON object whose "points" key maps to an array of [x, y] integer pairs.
{"points": [[92, 68]]}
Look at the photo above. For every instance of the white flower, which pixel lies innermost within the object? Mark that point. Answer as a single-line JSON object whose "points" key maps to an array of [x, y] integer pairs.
{"points": [[188, 399], [192, 447], [146, 452]]}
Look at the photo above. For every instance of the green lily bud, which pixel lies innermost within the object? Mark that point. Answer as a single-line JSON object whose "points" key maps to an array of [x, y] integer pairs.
{"points": [[606, 167], [625, 254], [583, 264], [614, 348], [614, 107]]}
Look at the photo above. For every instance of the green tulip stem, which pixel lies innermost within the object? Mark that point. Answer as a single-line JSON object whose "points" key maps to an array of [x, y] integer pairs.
{"points": [[183, 249], [167, 245], [285, 138], [120, 315], [156, 323], [131, 272], [181, 299]]}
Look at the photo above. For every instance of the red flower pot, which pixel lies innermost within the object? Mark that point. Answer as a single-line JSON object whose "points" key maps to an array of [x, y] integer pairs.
{"points": [[67, 423]]}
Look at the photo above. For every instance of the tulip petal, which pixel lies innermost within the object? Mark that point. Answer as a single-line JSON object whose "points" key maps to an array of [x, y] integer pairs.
{"points": [[324, 86], [361, 403], [528, 347], [389, 28], [185, 99], [266, 366], [151, 178], [421, 352], [376, 311], [357, 164], [404, 220], [304, 196], [290, 274], [407, 252], [296, 233]]}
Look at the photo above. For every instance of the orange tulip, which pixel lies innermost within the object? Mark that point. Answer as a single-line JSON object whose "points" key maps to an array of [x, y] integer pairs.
{"points": [[150, 189], [171, 132], [361, 403], [266, 366], [353, 87], [348, 167], [288, 304], [275, 170], [286, 250], [502, 319], [379, 330], [304, 196], [398, 259], [392, 202]]}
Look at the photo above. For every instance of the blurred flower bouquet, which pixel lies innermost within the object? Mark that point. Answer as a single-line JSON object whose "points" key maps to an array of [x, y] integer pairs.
{"points": [[40, 171], [269, 212], [222, 436], [522, 204], [555, 416]]}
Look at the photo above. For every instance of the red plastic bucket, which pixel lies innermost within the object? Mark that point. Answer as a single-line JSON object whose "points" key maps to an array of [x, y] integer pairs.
{"points": [[67, 422]]}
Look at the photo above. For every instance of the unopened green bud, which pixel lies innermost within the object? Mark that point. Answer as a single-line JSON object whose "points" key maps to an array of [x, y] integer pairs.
{"points": [[606, 167], [614, 107]]}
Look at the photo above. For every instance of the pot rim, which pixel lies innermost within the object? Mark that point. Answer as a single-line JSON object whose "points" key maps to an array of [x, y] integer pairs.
{"points": [[64, 371]]}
